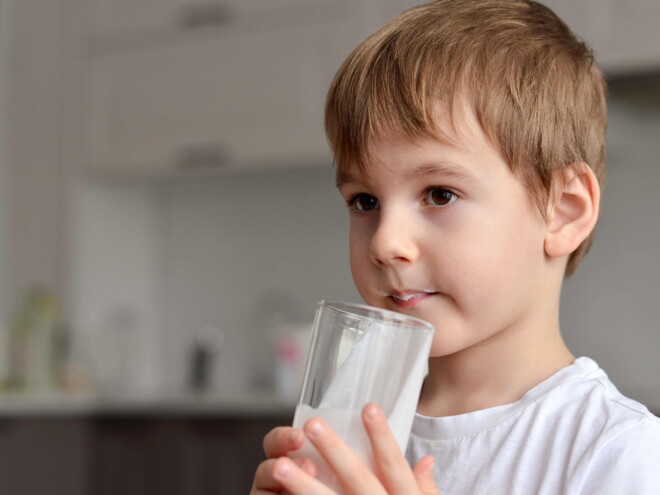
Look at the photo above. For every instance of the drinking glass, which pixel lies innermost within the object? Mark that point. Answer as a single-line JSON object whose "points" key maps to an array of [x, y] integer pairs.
{"points": [[360, 354]]}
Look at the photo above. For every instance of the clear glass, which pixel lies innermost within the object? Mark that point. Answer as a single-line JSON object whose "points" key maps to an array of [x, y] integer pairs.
{"points": [[360, 354]]}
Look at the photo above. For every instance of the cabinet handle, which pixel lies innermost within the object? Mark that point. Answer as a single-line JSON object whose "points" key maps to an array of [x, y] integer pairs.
{"points": [[205, 15], [203, 155]]}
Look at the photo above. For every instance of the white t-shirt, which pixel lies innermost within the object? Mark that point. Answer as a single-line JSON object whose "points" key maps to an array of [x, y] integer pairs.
{"points": [[574, 433]]}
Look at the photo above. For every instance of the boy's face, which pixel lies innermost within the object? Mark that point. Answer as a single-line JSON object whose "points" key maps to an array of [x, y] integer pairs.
{"points": [[448, 234]]}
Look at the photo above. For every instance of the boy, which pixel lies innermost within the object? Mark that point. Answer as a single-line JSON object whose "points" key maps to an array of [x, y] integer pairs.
{"points": [[469, 142]]}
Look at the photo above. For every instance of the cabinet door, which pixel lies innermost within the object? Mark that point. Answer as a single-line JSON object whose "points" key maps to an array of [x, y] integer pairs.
{"points": [[177, 456], [146, 18], [114, 16], [222, 456], [233, 101], [137, 456], [43, 455], [627, 38], [622, 33]]}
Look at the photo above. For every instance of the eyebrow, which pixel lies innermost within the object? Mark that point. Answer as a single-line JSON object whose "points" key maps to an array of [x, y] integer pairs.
{"points": [[446, 169], [344, 178]]}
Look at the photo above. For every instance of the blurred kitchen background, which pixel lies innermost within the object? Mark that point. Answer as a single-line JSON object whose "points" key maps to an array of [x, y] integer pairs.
{"points": [[168, 221]]}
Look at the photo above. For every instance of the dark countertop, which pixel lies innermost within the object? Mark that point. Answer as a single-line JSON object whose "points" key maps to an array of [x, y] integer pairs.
{"points": [[208, 405]]}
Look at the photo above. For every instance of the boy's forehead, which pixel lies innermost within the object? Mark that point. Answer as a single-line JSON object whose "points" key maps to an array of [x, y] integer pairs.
{"points": [[415, 159], [458, 129], [421, 169], [454, 125]]}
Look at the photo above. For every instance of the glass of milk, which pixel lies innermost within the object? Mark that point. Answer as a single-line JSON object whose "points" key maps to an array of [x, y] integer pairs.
{"points": [[360, 354]]}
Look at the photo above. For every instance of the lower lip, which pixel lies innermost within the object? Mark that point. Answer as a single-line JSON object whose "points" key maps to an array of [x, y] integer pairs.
{"points": [[413, 301]]}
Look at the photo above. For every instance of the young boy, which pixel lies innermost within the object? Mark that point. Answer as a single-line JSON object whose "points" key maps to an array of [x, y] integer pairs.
{"points": [[469, 142]]}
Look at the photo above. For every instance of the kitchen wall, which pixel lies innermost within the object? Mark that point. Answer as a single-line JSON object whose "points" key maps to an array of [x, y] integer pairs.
{"points": [[237, 250], [242, 252]]}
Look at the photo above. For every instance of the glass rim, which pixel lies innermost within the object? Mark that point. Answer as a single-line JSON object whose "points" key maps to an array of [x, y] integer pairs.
{"points": [[391, 316]]}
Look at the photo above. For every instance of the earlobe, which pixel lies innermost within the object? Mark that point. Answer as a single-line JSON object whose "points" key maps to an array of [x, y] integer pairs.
{"points": [[573, 210]]}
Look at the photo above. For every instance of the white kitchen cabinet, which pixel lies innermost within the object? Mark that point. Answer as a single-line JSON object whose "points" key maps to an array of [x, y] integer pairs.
{"points": [[240, 84], [116, 16], [146, 18], [237, 98], [627, 35], [622, 33], [39, 116]]}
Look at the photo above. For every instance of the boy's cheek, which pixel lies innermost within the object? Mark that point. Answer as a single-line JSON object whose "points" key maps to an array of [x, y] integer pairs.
{"points": [[360, 270]]}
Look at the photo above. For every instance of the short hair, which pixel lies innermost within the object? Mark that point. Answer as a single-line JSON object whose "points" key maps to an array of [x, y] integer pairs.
{"points": [[533, 85]]}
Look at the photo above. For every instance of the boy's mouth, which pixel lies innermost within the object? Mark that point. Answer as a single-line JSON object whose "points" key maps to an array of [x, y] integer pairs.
{"points": [[410, 298]]}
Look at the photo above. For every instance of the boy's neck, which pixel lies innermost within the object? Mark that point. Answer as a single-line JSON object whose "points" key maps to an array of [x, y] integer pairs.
{"points": [[492, 374]]}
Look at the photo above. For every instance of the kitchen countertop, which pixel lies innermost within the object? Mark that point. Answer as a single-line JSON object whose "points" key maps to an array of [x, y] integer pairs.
{"points": [[183, 405], [196, 405]]}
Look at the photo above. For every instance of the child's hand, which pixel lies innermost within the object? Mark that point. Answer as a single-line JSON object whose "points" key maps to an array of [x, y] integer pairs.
{"points": [[393, 474], [278, 443]]}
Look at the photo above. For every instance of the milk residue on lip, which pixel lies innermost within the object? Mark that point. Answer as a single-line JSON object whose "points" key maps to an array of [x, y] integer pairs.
{"points": [[408, 295], [371, 372]]}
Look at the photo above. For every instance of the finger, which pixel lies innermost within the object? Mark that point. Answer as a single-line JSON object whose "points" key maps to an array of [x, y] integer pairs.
{"points": [[423, 472], [351, 470], [308, 466], [265, 481], [281, 440], [296, 481], [390, 464]]}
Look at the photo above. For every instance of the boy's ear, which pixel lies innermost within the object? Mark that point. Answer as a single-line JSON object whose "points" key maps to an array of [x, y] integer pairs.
{"points": [[572, 211]]}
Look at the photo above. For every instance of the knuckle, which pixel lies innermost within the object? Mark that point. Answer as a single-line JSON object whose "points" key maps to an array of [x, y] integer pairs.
{"points": [[275, 441], [391, 462], [262, 475]]}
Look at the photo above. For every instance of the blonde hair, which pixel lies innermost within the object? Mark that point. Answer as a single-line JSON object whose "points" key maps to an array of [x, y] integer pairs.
{"points": [[533, 86]]}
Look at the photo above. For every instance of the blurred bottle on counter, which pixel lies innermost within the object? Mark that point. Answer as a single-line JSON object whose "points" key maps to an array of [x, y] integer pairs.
{"points": [[38, 343], [207, 345], [118, 352], [291, 347], [281, 331]]}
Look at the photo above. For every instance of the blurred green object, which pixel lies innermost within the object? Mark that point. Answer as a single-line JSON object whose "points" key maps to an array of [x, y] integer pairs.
{"points": [[37, 343]]}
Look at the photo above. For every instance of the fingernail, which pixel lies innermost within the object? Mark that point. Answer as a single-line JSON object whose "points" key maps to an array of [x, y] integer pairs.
{"points": [[429, 466], [314, 427], [282, 469], [372, 413], [307, 466]]}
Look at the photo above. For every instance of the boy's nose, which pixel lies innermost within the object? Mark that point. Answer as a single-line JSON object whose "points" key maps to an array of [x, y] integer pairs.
{"points": [[393, 242]]}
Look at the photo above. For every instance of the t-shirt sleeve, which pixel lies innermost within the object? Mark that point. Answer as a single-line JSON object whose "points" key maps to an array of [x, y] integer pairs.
{"points": [[628, 463]]}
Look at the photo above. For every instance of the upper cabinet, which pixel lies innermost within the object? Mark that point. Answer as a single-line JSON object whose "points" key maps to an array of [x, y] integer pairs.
{"points": [[178, 85], [144, 19], [623, 33], [626, 35], [219, 84], [117, 16]]}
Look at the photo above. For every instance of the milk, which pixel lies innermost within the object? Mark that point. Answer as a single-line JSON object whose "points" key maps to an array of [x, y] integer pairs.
{"points": [[348, 425]]}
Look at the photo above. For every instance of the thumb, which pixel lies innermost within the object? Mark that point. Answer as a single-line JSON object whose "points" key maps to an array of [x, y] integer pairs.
{"points": [[423, 472]]}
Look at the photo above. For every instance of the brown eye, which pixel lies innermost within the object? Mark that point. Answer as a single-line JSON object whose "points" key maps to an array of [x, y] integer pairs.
{"points": [[439, 196], [365, 202]]}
